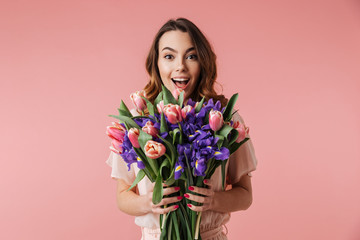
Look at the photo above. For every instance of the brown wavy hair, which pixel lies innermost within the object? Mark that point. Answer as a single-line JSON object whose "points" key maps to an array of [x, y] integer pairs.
{"points": [[206, 58]]}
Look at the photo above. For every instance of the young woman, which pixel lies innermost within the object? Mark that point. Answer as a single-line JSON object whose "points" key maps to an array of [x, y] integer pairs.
{"points": [[181, 58]]}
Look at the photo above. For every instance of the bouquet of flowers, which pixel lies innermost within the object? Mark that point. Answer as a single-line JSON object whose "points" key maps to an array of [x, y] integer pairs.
{"points": [[177, 145]]}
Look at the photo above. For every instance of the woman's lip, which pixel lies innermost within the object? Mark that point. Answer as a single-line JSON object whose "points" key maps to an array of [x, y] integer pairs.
{"points": [[183, 88]]}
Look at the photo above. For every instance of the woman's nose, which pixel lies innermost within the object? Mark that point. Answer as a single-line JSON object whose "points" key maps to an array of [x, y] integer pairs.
{"points": [[181, 66]]}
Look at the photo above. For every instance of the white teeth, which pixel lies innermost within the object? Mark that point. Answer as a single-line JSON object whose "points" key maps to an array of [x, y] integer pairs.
{"points": [[180, 79]]}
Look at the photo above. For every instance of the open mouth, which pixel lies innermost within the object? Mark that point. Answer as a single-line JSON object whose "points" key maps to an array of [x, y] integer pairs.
{"points": [[180, 83]]}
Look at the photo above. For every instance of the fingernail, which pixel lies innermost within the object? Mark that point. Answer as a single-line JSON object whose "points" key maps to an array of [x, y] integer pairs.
{"points": [[186, 195], [189, 205], [176, 206], [179, 197], [206, 181], [177, 188], [191, 188]]}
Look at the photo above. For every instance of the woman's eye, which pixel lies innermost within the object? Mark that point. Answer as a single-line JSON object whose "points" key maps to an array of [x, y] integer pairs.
{"points": [[192, 56], [168, 56]]}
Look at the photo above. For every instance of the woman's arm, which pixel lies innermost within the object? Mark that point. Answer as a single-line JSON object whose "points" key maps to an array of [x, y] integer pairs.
{"points": [[236, 199], [136, 205]]}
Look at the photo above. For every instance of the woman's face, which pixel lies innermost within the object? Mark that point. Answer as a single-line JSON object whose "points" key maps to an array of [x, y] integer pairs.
{"points": [[178, 62]]}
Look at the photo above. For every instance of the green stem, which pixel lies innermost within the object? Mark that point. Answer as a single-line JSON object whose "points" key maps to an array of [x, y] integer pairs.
{"points": [[181, 137], [164, 218], [197, 229], [168, 157]]}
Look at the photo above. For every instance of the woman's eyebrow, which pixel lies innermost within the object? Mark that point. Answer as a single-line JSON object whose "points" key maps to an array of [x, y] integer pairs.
{"points": [[173, 50]]}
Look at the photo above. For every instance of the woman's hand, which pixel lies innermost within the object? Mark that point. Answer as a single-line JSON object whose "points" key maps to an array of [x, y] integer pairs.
{"points": [[206, 199], [165, 201]]}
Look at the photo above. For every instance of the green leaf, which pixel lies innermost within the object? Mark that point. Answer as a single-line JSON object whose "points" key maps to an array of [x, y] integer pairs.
{"points": [[168, 97], [170, 148], [165, 169], [220, 141], [158, 99], [229, 107], [149, 106], [143, 138], [148, 170], [200, 105], [225, 130], [176, 224], [184, 219], [181, 99], [169, 228], [223, 165], [163, 124], [170, 181], [233, 136], [139, 177], [123, 110], [126, 120], [236, 145], [188, 170], [158, 191], [176, 135]]}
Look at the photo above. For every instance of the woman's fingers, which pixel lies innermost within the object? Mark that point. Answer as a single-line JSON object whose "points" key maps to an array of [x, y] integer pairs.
{"points": [[199, 208], [205, 197], [170, 190], [196, 198], [160, 210], [208, 182], [166, 201], [203, 191]]}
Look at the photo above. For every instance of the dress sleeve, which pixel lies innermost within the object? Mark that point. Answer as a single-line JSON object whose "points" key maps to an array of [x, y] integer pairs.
{"points": [[243, 160], [120, 169]]}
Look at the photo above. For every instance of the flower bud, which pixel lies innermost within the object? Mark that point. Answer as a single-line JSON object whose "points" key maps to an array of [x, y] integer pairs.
{"points": [[116, 146], [176, 93], [150, 129], [215, 120], [160, 106], [242, 130], [133, 136], [154, 149], [117, 131], [173, 113], [185, 110], [138, 101]]}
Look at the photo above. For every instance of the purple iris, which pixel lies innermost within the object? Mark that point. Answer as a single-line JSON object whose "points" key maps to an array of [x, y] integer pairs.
{"points": [[200, 167], [129, 155], [222, 154], [179, 169]]}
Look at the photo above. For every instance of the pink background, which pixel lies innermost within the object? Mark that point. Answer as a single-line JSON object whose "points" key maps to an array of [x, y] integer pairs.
{"points": [[65, 65]]}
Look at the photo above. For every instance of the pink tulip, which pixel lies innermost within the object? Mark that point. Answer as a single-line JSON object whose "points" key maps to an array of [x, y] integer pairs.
{"points": [[133, 136], [150, 129], [173, 113], [117, 131], [116, 146], [160, 106], [176, 93], [138, 101], [216, 120], [154, 149], [242, 130], [185, 110]]}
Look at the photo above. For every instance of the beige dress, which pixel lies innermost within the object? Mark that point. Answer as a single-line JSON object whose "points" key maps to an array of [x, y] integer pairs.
{"points": [[243, 161]]}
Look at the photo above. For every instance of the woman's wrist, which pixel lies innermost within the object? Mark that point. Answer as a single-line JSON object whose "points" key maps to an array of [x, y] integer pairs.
{"points": [[145, 204]]}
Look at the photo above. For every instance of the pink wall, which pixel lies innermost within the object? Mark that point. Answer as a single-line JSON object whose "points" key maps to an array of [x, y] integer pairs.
{"points": [[65, 65]]}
